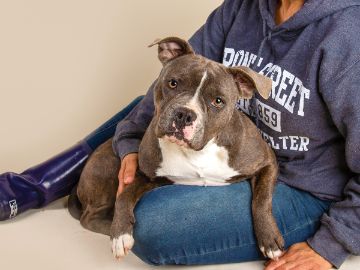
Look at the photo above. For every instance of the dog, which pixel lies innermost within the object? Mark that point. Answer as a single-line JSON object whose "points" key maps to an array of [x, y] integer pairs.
{"points": [[196, 137]]}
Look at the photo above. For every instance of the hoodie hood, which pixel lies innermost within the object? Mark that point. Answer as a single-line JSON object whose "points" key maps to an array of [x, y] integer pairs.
{"points": [[312, 10]]}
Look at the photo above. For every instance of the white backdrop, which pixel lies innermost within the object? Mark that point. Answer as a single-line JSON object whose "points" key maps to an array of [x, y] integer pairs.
{"points": [[67, 66]]}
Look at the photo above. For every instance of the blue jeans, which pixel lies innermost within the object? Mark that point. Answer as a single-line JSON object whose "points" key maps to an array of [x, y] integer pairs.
{"points": [[196, 225], [107, 129]]}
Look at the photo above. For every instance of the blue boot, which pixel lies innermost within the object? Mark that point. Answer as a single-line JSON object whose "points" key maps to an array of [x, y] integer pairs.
{"points": [[54, 178]]}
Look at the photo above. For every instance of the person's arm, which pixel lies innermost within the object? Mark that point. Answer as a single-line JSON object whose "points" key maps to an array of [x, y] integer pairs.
{"points": [[339, 234], [207, 41], [131, 129], [127, 138]]}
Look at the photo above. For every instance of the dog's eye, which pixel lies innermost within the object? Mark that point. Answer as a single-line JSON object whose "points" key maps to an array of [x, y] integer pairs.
{"points": [[173, 83], [218, 102]]}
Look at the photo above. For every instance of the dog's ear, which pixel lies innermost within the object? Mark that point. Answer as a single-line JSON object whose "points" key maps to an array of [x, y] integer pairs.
{"points": [[248, 81], [171, 47]]}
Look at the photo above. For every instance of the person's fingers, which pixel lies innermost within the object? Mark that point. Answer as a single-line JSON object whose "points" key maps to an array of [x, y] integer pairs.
{"points": [[275, 264], [120, 188], [131, 164], [127, 171], [288, 266], [299, 257], [121, 171], [130, 170], [121, 178]]}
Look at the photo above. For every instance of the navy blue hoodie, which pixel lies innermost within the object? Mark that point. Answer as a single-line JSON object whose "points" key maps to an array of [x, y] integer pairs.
{"points": [[312, 118]]}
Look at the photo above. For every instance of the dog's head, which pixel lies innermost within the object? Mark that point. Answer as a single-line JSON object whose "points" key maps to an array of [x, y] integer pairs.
{"points": [[195, 97]]}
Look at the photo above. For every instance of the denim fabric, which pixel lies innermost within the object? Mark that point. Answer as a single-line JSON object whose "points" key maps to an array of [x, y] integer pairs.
{"points": [[211, 225], [107, 130]]}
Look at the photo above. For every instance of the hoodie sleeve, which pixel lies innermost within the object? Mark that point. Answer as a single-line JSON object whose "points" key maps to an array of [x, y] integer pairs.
{"points": [[208, 41], [131, 129], [339, 233]]}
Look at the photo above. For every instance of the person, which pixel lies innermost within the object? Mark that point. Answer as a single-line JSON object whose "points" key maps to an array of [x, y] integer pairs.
{"points": [[312, 120]]}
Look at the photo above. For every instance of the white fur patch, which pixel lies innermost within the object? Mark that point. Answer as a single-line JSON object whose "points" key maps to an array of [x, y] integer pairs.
{"points": [[122, 245], [197, 92], [271, 254], [208, 167], [194, 103]]}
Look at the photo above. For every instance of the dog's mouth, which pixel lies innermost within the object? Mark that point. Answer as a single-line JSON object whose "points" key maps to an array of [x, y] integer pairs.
{"points": [[177, 138], [176, 135], [179, 135], [174, 139]]}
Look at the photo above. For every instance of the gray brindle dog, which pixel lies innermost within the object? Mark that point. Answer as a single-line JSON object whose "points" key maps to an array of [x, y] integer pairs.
{"points": [[196, 137]]}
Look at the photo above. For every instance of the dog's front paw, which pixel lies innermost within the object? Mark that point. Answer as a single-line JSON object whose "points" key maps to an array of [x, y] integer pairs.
{"points": [[121, 245], [272, 246], [269, 238], [273, 254]]}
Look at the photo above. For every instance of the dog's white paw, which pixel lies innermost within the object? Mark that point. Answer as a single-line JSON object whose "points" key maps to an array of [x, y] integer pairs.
{"points": [[271, 254], [122, 245]]}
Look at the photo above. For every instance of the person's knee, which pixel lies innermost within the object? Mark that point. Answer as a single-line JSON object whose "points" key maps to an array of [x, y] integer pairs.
{"points": [[151, 231], [148, 245], [168, 219]]}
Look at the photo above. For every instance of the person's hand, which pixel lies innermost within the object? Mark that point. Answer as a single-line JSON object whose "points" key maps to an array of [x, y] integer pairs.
{"points": [[127, 171], [299, 257]]}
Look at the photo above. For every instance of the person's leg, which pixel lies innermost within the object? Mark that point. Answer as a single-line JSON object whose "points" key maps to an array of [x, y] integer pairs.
{"points": [[54, 178], [107, 130], [211, 225]]}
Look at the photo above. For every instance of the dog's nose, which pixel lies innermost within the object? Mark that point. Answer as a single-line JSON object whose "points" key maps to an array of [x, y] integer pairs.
{"points": [[183, 117]]}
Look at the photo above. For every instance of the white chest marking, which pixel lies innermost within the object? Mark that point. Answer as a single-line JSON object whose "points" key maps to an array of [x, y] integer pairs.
{"points": [[208, 167]]}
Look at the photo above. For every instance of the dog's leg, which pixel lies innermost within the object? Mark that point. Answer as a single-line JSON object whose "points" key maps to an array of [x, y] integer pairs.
{"points": [[97, 219], [96, 192], [269, 238], [122, 226]]}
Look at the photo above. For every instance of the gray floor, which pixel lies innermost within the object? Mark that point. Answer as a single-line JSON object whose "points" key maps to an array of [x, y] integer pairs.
{"points": [[50, 238]]}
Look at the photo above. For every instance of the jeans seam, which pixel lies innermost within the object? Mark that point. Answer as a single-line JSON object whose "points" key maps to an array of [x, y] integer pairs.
{"points": [[240, 246], [211, 252], [301, 226]]}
